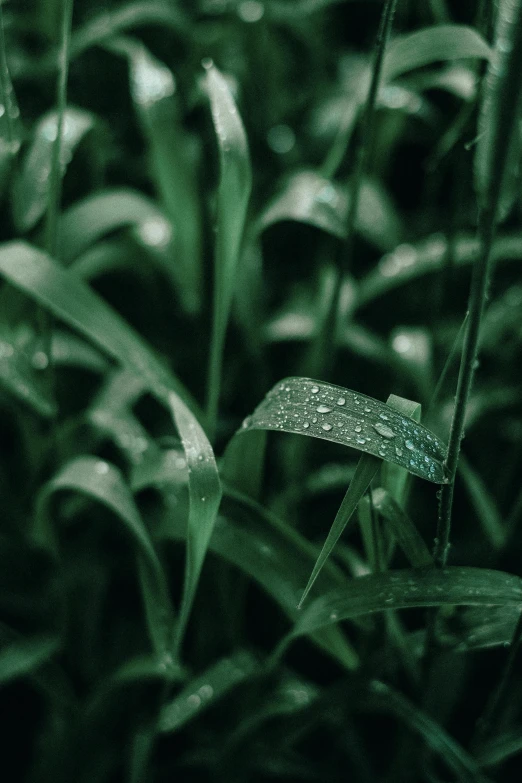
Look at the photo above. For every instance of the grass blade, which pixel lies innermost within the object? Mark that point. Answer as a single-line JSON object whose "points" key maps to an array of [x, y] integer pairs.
{"points": [[204, 497], [25, 655], [403, 529], [403, 589], [104, 483], [19, 377], [322, 410], [235, 183], [206, 689], [433, 44], [10, 131], [68, 298]]}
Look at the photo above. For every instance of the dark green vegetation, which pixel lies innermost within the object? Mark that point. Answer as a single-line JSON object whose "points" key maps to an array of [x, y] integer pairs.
{"points": [[223, 218]]}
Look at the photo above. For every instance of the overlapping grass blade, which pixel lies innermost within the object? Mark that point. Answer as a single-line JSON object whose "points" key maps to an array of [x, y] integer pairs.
{"points": [[402, 589], [235, 183], [206, 689], [68, 298], [68, 350], [433, 44], [93, 217], [501, 93], [322, 410], [174, 166], [32, 186], [103, 482], [204, 498], [308, 197], [20, 378], [402, 527], [10, 126]]}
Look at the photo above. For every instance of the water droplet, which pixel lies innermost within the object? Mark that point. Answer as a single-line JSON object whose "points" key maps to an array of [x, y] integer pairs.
{"points": [[384, 417], [398, 451], [250, 11], [101, 467], [361, 441], [207, 63], [40, 360], [206, 692], [194, 701], [326, 427], [306, 425], [341, 401], [314, 420], [358, 428], [281, 139], [314, 389], [323, 409], [334, 616], [384, 430], [409, 445]]}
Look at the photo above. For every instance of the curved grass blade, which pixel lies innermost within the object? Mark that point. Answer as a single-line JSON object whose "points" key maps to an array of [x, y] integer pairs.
{"points": [[204, 500], [235, 183], [403, 589], [23, 656], [500, 92], [109, 23], [70, 299], [103, 482], [433, 44], [10, 126], [174, 166], [206, 689], [322, 410], [19, 376], [88, 220], [32, 186], [409, 262], [67, 350], [382, 697], [310, 198]]}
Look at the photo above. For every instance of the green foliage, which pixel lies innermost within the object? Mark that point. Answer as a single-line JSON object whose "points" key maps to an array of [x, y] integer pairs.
{"points": [[204, 204]]}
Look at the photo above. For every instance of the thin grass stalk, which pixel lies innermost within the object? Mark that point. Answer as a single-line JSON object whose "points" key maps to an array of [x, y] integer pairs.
{"points": [[326, 340], [4, 77], [509, 90]]}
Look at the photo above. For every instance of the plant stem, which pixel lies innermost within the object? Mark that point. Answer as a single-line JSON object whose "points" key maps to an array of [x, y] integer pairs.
{"points": [[326, 340], [508, 98]]}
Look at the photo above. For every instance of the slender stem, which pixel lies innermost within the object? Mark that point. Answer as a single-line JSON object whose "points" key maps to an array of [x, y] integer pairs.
{"points": [[5, 81], [508, 102], [55, 182], [328, 330]]}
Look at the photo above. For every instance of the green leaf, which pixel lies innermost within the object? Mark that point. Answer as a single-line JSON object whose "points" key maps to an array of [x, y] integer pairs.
{"points": [[31, 190], [310, 198], [322, 410], [174, 165], [235, 183], [500, 118], [103, 482], [23, 656], [402, 589], [204, 498], [433, 44], [70, 299], [20, 378], [409, 262], [93, 217], [206, 689], [71, 351]]}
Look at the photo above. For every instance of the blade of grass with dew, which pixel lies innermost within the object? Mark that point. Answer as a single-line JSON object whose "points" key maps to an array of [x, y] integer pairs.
{"points": [[174, 165], [394, 477], [333, 413], [162, 469], [381, 697], [24, 655], [204, 501], [96, 215], [20, 378], [68, 298], [484, 504], [310, 198], [482, 627], [504, 92], [32, 186], [103, 482], [235, 183], [10, 126], [109, 23], [410, 262], [404, 531], [486, 159], [433, 44], [410, 588], [206, 689]]}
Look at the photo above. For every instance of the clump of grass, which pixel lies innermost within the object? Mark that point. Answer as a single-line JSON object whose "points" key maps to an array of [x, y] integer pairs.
{"points": [[211, 563]]}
